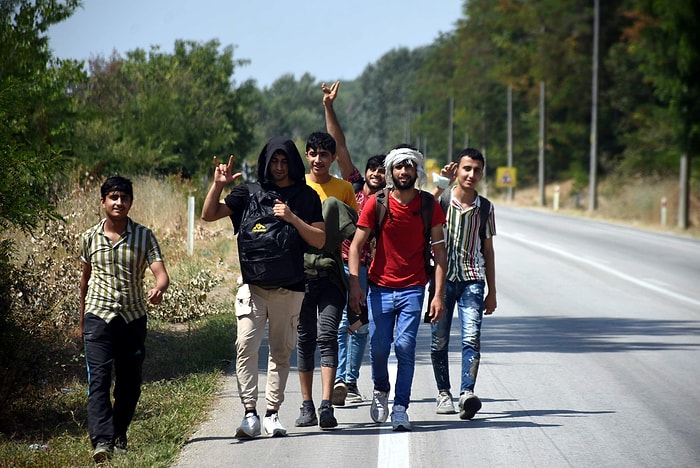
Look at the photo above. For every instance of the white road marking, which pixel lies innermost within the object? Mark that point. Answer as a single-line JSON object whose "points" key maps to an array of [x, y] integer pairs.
{"points": [[606, 269], [393, 451]]}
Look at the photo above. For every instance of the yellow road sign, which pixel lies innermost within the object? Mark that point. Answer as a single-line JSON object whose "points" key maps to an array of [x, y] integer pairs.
{"points": [[506, 176]]}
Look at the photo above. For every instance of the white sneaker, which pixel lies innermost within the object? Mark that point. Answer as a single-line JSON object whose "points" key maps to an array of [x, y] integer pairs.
{"points": [[399, 419], [379, 410], [250, 427], [272, 426], [444, 404]]}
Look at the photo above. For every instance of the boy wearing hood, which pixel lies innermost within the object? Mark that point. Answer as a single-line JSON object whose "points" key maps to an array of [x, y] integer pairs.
{"points": [[280, 169]]}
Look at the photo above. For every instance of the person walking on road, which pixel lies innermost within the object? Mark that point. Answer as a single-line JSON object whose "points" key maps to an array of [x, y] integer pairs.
{"points": [[353, 336], [470, 271], [353, 331], [397, 279], [326, 293], [258, 301]]}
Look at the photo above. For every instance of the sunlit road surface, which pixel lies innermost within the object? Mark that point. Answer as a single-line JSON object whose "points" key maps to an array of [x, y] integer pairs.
{"points": [[591, 359]]}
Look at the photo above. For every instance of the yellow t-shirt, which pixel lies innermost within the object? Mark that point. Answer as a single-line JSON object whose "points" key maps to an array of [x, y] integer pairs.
{"points": [[338, 188]]}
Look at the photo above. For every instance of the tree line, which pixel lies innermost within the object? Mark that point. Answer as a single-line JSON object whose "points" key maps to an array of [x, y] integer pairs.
{"points": [[151, 111]]}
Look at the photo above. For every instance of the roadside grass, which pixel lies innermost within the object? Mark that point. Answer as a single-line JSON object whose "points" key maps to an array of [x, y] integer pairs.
{"points": [[182, 376]]}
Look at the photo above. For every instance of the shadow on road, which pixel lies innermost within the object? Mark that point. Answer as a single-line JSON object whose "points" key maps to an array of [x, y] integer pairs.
{"points": [[581, 334]]}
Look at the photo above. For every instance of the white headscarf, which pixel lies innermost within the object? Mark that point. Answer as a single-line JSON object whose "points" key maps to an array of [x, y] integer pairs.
{"points": [[400, 155]]}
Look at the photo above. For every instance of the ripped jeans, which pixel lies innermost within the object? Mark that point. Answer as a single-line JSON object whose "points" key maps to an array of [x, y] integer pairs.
{"points": [[469, 297]]}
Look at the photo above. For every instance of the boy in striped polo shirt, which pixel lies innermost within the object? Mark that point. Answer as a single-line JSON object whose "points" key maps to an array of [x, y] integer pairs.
{"points": [[115, 253], [470, 280]]}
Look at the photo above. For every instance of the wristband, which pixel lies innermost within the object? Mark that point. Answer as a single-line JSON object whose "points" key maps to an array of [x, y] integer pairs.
{"points": [[440, 181]]}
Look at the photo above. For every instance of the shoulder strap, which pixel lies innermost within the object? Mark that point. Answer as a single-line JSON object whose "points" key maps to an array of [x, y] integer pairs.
{"points": [[381, 209], [427, 203], [253, 187], [484, 210], [358, 185], [444, 200]]}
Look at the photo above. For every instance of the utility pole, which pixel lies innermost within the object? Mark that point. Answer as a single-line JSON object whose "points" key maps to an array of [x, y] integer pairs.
{"points": [[510, 136], [592, 181], [540, 174], [450, 134], [683, 192]]}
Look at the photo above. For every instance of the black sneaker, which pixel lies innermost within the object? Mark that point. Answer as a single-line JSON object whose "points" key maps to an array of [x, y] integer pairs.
{"points": [[120, 446], [340, 391], [469, 404], [326, 420], [353, 395], [307, 417], [103, 452]]}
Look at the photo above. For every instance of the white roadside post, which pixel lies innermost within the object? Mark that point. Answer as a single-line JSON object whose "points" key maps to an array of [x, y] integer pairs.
{"points": [[555, 202], [190, 225], [663, 211]]}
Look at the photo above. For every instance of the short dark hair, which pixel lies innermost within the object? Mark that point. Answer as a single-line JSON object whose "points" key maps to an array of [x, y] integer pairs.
{"points": [[320, 140], [473, 154], [375, 161], [405, 145], [117, 184]]}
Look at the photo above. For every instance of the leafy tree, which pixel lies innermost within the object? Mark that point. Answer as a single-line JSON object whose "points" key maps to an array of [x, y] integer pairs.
{"points": [[290, 108], [36, 116], [661, 43], [164, 112], [379, 106], [513, 43]]}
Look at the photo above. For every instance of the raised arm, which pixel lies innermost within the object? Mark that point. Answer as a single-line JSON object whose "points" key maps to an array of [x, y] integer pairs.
{"points": [[333, 128], [448, 174]]}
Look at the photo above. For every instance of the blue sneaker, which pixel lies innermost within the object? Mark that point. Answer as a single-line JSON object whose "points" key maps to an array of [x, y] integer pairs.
{"points": [[399, 419]]}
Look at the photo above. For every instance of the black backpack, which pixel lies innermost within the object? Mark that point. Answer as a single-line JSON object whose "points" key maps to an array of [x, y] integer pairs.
{"points": [[271, 250]]}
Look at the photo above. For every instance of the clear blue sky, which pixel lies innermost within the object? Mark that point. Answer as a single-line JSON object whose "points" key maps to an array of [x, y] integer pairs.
{"points": [[330, 40]]}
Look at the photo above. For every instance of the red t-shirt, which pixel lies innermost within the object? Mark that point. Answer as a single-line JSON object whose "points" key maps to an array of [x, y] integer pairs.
{"points": [[398, 259]]}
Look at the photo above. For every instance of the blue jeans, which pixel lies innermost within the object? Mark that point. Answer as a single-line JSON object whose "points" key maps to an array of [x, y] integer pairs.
{"points": [[351, 347], [394, 315], [469, 296]]}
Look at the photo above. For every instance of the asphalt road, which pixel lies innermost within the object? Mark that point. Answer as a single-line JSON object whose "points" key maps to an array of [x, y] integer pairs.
{"points": [[591, 359]]}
